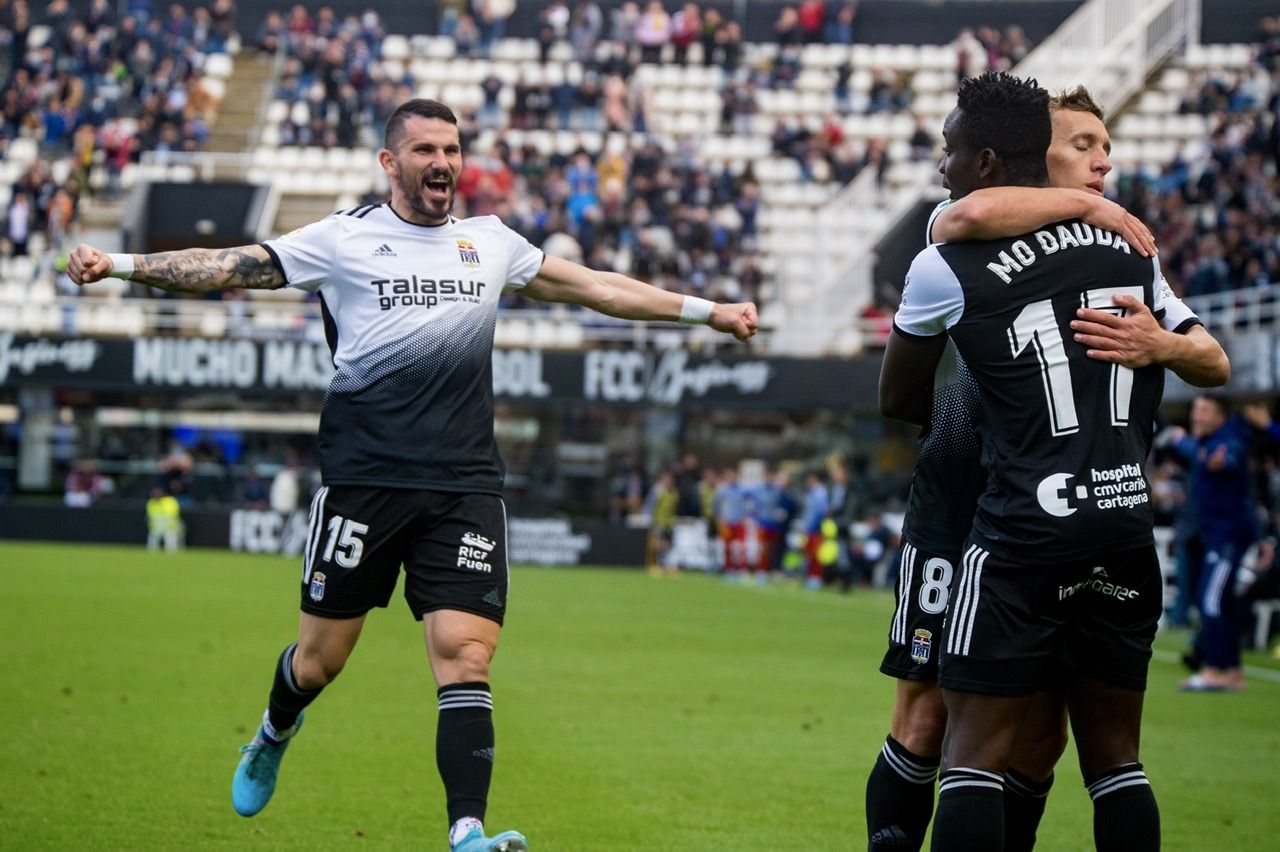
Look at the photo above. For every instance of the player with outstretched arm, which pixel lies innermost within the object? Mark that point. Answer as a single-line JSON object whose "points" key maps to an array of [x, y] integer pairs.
{"points": [[411, 471]]}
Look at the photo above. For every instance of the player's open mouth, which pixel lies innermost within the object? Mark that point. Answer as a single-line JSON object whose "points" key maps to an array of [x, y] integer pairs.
{"points": [[438, 186], [1098, 187]]}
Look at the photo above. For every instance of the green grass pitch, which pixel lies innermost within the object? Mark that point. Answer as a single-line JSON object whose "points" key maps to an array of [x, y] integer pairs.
{"points": [[633, 713]]}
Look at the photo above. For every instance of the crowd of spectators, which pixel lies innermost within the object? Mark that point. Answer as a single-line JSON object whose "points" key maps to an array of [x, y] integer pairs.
{"points": [[671, 219], [1216, 213], [662, 218], [40, 205], [93, 69], [332, 78], [99, 87], [339, 91], [198, 467], [102, 86], [814, 526]]}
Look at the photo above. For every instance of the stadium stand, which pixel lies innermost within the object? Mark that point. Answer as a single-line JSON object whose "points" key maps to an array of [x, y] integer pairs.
{"points": [[716, 166], [746, 169]]}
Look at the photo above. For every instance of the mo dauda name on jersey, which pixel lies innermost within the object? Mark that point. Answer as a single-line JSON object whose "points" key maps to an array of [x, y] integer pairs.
{"points": [[1051, 241], [425, 292]]}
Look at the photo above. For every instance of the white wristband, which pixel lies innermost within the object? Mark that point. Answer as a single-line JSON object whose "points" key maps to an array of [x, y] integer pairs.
{"points": [[121, 266], [696, 311]]}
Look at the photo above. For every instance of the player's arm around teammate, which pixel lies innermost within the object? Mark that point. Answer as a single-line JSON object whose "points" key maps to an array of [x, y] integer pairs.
{"points": [[1136, 339], [1133, 338], [1079, 159], [1004, 211]]}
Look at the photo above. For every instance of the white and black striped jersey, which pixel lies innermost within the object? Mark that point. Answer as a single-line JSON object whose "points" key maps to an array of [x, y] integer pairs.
{"points": [[948, 475], [409, 314], [1064, 437]]}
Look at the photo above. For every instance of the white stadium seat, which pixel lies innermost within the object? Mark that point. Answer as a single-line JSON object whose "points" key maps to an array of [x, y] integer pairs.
{"points": [[395, 47], [22, 149], [218, 65]]}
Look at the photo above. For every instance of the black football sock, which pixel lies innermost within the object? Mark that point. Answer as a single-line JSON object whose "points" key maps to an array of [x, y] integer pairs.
{"points": [[1024, 801], [1125, 815], [970, 812], [899, 798], [287, 701], [464, 748]]}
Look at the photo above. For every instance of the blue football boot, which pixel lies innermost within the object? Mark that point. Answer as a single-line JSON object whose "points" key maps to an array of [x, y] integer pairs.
{"points": [[475, 841], [255, 778]]}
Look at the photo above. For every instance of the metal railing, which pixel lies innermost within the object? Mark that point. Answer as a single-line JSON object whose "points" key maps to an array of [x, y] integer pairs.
{"points": [[1246, 310], [1111, 46], [1247, 323], [558, 327], [205, 166]]}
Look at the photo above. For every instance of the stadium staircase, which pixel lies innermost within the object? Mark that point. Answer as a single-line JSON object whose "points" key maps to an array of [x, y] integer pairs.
{"points": [[298, 209], [240, 113]]}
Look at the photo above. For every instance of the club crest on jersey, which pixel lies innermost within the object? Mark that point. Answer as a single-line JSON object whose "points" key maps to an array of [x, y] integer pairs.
{"points": [[921, 644], [317, 586], [467, 251]]}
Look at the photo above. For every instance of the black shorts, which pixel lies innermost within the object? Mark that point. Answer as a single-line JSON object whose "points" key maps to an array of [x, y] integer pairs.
{"points": [[453, 548], [1020, 626], [915, 634]]}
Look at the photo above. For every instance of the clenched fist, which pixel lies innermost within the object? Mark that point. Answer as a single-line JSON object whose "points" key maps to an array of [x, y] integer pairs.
{"points": [[738, 319], [87, 264]]}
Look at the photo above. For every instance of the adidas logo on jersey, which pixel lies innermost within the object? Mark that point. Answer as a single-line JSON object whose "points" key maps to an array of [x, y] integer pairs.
{"points": [[384, 250]]}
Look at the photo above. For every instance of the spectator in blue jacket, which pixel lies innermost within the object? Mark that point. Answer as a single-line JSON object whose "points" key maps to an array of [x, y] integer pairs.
{"points": [[1217, 454]]}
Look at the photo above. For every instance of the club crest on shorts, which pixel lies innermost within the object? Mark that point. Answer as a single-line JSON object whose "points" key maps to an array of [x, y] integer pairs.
{"points": [[316, 590], [467, 251], [921, 643], [317, 586]]}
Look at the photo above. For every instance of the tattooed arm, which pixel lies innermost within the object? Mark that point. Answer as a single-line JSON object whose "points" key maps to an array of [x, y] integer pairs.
{"points": [[187, 271]]}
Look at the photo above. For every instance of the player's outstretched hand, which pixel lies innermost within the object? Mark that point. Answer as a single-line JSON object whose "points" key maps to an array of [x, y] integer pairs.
{"points": [[86, 264], [738, 319], [1108, 215], [1134, 340]]}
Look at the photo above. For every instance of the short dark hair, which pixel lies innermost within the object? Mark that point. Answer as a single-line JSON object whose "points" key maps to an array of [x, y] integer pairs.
{"points": [[1077, 100], [1009, 115], [423, 107], [1218, 401]]}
